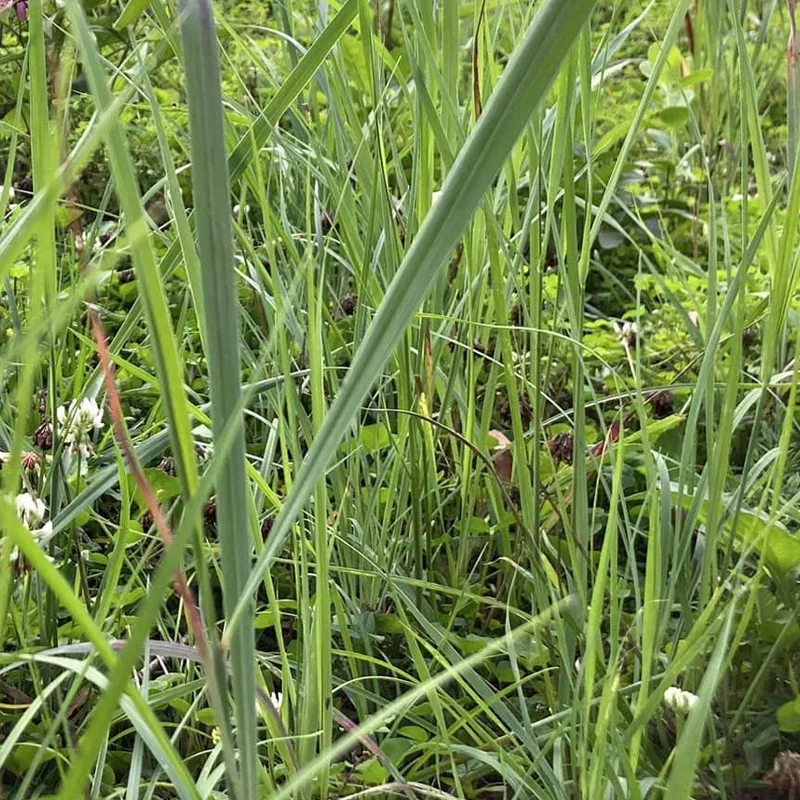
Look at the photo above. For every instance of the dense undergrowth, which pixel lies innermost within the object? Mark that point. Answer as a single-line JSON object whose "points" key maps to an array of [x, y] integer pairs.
{"points": [[530, 326]]}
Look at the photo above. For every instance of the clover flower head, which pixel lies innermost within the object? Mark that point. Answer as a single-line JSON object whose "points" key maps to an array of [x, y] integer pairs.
{"points": [[679, 700], [20, 8], [30, 461], [276, 698], [30, 510], [627, 333], [78, 421]]}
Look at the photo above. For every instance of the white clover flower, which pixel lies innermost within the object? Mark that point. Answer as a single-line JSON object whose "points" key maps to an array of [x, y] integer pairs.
{"points": [[627, 334], [77, 422], [277, 700], [679, 700], [603, 374], [30, 510], [45, 532]]}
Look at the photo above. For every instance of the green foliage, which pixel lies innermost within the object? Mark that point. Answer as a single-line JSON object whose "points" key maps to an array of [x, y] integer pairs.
{"points": [[458, 346]]}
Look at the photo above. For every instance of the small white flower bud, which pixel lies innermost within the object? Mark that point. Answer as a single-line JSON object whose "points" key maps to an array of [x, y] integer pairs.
{"points": [[679, 700]]}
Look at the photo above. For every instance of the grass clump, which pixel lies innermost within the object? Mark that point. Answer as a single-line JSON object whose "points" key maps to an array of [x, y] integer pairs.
{"points": [[399, 400]]}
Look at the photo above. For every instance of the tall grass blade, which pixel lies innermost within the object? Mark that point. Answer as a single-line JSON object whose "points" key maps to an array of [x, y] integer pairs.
{"points": [[687, 752], [220, 305]]}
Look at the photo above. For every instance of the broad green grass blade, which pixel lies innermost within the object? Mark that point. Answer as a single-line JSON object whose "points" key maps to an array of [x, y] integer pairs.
{"points": [[164, 346], [523, 86], [220, 302]]}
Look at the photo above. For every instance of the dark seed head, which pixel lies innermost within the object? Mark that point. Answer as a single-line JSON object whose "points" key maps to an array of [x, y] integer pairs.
{"points": [[662, 404], [348, 303], [785, 774], [167, 465], [487, 350], [266, 526], [562, 447], [327, 221], [24, 184], [749, 337], [210, 511], [43, 436], [525, 409], [30, 461]]}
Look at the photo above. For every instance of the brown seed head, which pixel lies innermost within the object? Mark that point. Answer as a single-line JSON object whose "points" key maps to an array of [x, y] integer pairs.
{"points": [[562, 447], [210, 511], [30, 461], [662, 404], [348, 303], [43, 436], [785, 774]]}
